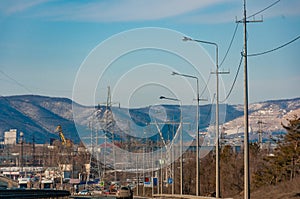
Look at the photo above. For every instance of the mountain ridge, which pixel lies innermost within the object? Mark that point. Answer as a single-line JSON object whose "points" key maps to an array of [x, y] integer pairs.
{"points": [[38, 116]]}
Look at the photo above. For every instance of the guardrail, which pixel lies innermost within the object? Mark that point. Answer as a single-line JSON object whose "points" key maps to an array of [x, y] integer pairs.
{"points": [[33, 193], [8, 181], [183, 196]]}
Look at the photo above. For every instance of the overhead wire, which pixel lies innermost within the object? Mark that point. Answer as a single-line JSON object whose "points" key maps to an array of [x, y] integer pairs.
{"points": [[235, 78], [210, 109], [206, 85], [234, 81], [262, 10], [236, 27], [256, 54], [266, 8], [15, 107], [274, 49], [14, 81], [230, 44], [21, 85]]}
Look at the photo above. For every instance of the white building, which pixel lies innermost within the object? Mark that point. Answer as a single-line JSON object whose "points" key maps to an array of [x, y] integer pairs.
{"points": [[11, 136]]}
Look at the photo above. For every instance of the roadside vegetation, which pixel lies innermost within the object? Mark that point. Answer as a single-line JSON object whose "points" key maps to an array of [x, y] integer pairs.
{"points": [[274, 174]]}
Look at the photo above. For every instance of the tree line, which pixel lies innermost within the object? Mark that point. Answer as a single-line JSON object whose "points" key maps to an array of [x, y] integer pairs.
{"points": [[266, 167]]}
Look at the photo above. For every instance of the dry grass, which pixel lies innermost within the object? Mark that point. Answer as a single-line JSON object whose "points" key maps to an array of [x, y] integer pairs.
{"points": [[284, 190]]}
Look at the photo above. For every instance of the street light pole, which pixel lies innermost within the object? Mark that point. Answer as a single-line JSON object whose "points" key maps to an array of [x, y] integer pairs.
{"points": [[217, 112], [181, 128], [197, 133]]}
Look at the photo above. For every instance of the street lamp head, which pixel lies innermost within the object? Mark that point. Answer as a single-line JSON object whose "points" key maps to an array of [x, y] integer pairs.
{"points": [[169, 98], [175, 73], [186, 38]]}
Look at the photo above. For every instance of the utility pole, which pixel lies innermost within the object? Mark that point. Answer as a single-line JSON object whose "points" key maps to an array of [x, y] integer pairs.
{"points": [[246, 113]]}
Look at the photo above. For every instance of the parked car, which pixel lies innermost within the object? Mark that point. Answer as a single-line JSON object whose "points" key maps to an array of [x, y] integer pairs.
{"points": [[84, 192], [124, 193]]}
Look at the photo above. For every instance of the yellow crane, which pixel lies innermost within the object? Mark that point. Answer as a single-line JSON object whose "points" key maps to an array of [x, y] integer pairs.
{"points": [[64, 141]]}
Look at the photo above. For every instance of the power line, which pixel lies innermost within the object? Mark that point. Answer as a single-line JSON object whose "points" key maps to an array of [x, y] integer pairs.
{"points": [[233, 36], [234, 81], [256, 54], [210, 109], [236, 27], [14, 81], [206, 84], [265, 52], [266, 8], [21, 85]]}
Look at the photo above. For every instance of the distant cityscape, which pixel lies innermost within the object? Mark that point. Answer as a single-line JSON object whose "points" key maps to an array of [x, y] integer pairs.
{"points": [[62, 163]]}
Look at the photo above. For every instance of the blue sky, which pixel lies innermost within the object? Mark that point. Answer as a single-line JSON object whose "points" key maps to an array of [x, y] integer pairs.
{"points": [[45, 43]]}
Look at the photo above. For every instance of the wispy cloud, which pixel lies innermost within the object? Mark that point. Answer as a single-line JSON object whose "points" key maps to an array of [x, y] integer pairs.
{"points": [[8, 7], [142, 10], [108, 11], [126, 10], [229, 11]]}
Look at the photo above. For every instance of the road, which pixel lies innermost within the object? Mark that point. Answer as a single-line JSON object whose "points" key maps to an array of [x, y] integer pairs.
{"points": [[101, 197]]}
